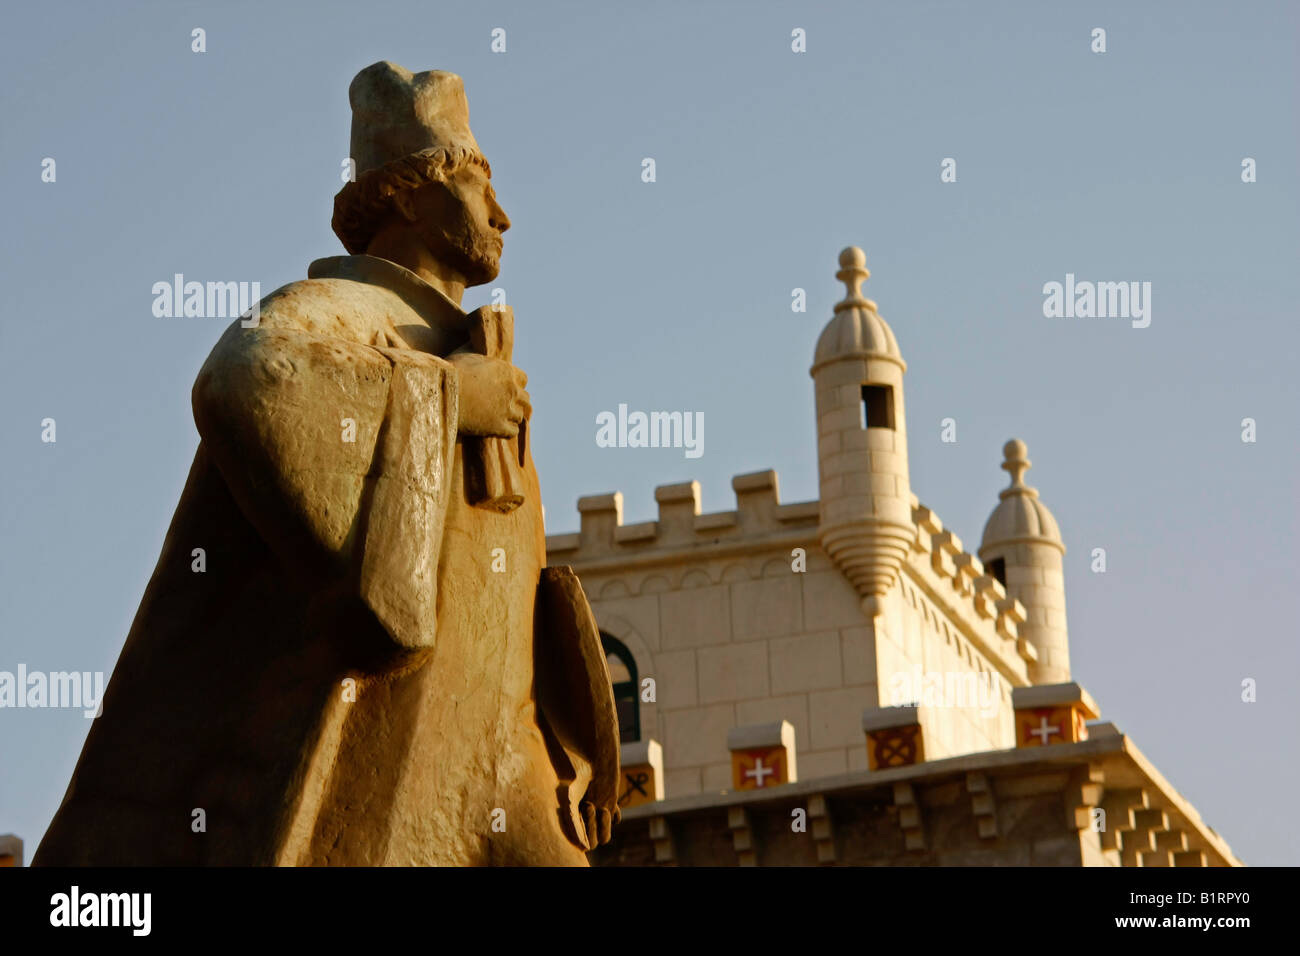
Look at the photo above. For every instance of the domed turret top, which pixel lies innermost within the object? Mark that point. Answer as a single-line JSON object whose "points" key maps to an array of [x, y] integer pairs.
{"points": [[1019, 516], [857, 330]]}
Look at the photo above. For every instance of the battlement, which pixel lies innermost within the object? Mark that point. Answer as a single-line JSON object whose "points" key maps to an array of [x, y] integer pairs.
{"points": [[759, 516], [950, 576], [957, 580]]}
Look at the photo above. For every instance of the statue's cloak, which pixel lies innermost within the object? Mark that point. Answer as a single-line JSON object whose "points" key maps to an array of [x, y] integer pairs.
{"points": [[334, 659]]}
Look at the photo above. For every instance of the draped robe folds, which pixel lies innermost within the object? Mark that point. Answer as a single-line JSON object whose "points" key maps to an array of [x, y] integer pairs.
{"points": [[353, 679]]}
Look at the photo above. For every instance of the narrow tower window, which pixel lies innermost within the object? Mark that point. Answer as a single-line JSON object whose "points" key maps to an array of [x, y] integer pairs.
{"points": [[878, 406], [622, 674], [998, 568]]}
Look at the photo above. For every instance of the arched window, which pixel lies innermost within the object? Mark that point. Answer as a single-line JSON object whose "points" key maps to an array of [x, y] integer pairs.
{"points": [[622, 673]]}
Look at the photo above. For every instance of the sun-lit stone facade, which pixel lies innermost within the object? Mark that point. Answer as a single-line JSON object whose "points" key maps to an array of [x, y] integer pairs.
{"points": [[899, 659]]}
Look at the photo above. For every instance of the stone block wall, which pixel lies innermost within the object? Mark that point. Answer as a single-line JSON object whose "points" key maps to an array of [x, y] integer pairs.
{"points": [[741, 618]]}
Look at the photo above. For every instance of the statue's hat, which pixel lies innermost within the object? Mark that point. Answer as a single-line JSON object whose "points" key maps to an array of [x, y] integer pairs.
{"points": [[396, 113]]}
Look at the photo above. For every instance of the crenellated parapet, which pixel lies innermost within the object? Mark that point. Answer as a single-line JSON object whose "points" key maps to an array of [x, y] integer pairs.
{"points": [[759, 519], [938, 564], [958, 582]]}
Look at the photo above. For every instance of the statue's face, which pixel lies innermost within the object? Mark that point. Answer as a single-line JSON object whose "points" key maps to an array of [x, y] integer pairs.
{"points": [[461, 223]]}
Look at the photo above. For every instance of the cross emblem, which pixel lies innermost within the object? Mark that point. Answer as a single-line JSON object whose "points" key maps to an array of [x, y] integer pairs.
{"points": [[1043, 731], [895, 748], [759, 772]]}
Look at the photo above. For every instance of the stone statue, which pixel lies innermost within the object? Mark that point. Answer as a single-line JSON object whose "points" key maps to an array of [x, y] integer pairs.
{"points": [[368, 662]]}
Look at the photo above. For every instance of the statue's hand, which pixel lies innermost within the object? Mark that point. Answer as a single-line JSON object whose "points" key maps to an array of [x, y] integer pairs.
{"points": [[492, 397], [599, 821]]}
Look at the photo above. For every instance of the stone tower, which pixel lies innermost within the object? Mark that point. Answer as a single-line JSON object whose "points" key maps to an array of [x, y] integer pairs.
{"points": [[1022, 547], [866, 499]]}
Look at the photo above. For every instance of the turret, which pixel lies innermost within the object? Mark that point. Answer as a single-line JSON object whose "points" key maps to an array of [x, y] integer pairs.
{"points": [[1022, 547], [865, 496]]}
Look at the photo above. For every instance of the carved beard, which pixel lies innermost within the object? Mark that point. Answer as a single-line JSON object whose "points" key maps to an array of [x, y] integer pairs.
{"points": [[472, 253]]}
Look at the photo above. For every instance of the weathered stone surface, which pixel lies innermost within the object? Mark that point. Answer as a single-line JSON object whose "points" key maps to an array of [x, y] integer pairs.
{"points": [[985, 809], [367, 671]]}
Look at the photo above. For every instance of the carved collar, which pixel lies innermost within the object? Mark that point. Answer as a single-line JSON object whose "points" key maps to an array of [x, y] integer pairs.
{"points": [[431, 305]]}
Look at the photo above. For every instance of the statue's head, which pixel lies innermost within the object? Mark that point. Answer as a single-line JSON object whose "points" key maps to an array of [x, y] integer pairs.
{"points": [[418, 168]]}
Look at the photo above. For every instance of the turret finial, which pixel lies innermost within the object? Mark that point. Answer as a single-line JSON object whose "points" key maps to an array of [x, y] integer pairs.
{"points": [[853, 272], [1017, 461]]}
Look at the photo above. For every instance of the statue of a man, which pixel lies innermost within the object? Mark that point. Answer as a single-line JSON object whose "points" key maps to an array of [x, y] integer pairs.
{"points": [[351, 651]]}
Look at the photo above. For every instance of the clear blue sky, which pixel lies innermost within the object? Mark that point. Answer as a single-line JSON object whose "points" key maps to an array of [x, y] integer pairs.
{"points": [[676, 295]]}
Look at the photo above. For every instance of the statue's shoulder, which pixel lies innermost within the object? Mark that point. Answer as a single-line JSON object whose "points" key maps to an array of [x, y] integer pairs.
{"points": [[363, 299], [287, 322], [335, 307], [359, 299]]}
